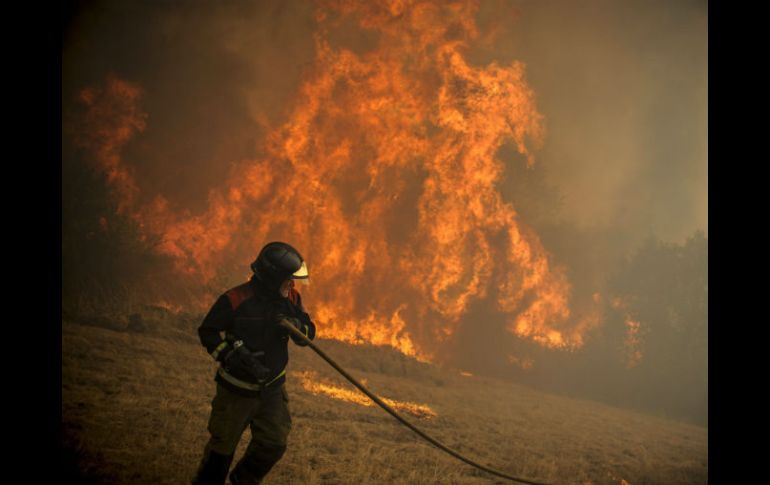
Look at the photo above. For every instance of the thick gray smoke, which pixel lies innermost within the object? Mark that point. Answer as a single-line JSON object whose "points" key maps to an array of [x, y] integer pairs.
{"points": [[623, 87]]}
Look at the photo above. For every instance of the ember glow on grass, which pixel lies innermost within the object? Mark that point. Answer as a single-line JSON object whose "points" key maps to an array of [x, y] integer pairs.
{"points": [[385, 175], [311, 382]]}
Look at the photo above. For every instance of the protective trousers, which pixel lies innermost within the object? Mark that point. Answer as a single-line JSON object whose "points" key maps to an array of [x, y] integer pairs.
{"points": [[268, 417]]}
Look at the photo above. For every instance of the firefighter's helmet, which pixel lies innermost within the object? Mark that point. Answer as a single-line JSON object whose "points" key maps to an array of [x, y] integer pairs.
{"points": [[277, 262]]}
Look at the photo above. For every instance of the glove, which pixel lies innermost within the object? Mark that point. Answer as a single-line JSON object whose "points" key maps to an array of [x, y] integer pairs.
{"points": [[296, 322], [293, 320], [241, 360]]}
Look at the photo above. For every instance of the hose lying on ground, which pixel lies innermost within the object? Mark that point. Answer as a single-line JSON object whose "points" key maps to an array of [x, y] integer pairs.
{"points": [[393, 413]]}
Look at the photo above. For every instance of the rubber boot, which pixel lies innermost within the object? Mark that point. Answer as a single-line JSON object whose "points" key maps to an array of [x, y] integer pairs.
{"points": [[255, 464], [213, 469]]}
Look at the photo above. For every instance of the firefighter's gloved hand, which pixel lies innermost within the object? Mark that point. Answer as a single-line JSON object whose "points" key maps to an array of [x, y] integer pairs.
{"points": [[240, 359], [296, 323]]}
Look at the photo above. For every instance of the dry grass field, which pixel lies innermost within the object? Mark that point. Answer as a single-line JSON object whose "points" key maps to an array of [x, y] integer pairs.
{"points": [[136, 396]]}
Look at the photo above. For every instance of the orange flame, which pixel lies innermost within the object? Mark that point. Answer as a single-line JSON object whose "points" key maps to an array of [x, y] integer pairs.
{"points": [[112, 118], [385, 176], [311, 383]]}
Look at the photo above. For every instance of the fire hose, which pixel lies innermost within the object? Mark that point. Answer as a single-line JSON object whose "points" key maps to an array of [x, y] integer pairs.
{"points": [[393, 413]]}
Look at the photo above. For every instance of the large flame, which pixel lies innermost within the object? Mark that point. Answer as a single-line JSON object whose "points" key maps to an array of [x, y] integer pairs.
{"points": [[384, 175]]}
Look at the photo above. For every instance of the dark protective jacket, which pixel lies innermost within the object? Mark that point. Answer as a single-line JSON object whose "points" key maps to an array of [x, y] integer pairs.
{"points": [[251, 312]]}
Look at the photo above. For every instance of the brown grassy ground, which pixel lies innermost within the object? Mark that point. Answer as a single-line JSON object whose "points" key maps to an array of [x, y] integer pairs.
{"points": [[136, 403]]}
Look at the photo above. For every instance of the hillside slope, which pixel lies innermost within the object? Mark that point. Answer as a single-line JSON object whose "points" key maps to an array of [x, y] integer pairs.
{"points": [[136, 403]]}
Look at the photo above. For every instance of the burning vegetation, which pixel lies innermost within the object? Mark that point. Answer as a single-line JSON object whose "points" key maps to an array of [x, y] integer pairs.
{"points": [[385, 172], [404, 165], [311, 382]]}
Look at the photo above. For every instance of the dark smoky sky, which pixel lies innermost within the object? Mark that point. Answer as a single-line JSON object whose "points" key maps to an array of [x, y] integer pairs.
{"points": [[214, 76], [622, 85]]}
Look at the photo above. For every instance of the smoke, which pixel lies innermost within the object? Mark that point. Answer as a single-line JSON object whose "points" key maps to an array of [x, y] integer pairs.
{"points": [[621, 87], [213, 76]]}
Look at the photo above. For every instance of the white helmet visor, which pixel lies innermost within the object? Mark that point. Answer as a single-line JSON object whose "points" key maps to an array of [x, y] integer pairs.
{"points": [[301, 274]]}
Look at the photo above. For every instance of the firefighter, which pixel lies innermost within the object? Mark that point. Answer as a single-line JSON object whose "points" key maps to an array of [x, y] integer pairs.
{"points": [[253, 354]]}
